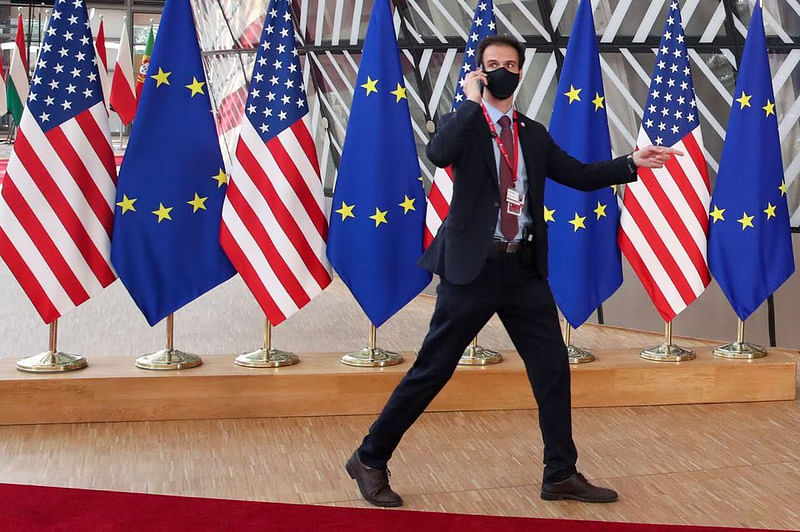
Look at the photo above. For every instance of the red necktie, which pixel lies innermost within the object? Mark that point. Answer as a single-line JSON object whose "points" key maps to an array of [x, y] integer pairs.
{"points": [[509, 224]]}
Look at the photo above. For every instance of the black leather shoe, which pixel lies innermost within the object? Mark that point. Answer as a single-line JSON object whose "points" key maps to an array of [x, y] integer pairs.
{"points": [[577, 488], [372, 483]]}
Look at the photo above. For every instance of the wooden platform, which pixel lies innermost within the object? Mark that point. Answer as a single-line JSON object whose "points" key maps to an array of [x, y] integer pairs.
{"points": [[112, 389]]}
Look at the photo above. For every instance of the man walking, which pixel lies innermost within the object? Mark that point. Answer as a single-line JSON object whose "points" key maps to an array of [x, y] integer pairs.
{"points": [[491, 255]]}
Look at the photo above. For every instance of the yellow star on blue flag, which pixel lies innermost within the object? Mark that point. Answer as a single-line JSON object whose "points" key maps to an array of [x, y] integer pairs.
{"points": [[376, 254], [167, 255]]}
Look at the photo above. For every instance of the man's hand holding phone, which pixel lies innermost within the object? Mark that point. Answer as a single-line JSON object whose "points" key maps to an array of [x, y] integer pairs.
{"points": [[473, 85]]}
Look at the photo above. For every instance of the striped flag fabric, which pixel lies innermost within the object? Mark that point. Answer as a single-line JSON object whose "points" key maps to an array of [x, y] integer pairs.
{"points": [[123, 96], [441, 193], [56, 206], [664, 220], [102, 59], [17, 81], [274, 228]]}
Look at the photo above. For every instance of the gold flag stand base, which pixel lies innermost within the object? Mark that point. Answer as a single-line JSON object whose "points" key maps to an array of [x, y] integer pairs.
{"points": [[52, 361], [168, 358], [740, 349], [266, 357], [372, 356], [476, 355], [668, 352], [575, 355], [744, 350]]}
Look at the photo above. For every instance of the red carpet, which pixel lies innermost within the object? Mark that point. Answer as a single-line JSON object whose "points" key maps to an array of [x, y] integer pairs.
{"points": [[24, 508]]}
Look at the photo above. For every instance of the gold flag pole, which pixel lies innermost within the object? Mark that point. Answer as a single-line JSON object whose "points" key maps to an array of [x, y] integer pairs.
{"points": [[668, 352], [575, 355], [266, 357], [52, 361], [372, 356], [169, 358], [476, 355], [740, 348]]}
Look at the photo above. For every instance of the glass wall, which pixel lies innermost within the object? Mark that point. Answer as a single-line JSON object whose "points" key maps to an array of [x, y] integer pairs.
{"points": [[432, 34], [135, 16]]}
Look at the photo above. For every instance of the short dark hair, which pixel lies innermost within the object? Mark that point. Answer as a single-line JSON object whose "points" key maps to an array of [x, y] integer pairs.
{"points": [[503, 40]]}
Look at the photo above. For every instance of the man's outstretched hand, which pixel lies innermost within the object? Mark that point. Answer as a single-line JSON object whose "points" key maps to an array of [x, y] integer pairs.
{"points": [[654, 156]]}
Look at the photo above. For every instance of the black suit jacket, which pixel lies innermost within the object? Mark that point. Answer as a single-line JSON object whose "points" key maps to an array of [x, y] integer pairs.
{"points": [[463, 140]]}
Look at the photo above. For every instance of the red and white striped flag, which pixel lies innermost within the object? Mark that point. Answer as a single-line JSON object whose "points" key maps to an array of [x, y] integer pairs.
{"points": [[664, 219], [439, 199], [274, 228], [56, 206], [123, 95], [102, 59]]}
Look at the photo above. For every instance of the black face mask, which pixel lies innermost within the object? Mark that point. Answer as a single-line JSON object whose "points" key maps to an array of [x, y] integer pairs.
{"points": [[502, 83]]}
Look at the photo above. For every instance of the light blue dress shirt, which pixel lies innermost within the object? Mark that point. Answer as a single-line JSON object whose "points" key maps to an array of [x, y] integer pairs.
{"points": [[522, 174]]}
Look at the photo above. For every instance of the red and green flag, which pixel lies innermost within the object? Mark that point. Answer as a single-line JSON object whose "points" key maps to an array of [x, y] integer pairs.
{"points": [[142, 75], [3, 102], [17, 82]]}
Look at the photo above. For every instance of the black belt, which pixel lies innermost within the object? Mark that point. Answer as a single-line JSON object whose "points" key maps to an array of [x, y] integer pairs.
{"points": [[499, 246]]}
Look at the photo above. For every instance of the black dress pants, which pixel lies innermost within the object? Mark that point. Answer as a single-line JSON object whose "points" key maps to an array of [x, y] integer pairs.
{"points": [[525, 305]]}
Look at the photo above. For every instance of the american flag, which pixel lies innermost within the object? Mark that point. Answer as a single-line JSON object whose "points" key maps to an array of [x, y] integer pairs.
{"points": [[664, 220], [273, 223], [441, 193], [56, 207]]}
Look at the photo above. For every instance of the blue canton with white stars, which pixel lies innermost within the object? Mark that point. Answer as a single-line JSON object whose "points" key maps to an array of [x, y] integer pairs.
{"points": [[65, 82], [671, 110], [277, 98], [483, 25]]}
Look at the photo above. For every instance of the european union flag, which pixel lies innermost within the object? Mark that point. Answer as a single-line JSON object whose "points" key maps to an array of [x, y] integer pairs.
{"points": [[375, 235], [750, 242], [165, 244], [585, 267]]}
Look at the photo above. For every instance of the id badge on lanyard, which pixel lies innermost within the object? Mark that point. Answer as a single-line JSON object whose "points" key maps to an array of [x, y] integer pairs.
{"points": [[514, 202]]}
